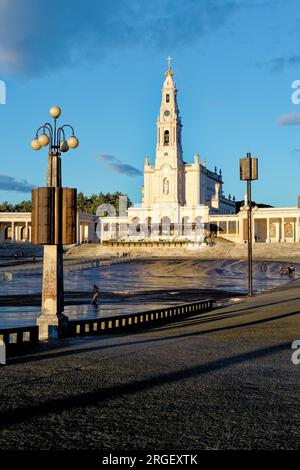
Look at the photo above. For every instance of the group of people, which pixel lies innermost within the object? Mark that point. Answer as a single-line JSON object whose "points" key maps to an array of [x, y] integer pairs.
{"points": [[287, 270]]}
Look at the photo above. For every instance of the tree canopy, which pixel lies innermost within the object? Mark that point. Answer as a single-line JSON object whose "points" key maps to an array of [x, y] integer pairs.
{"points": [[23, 206], [87, 204], [239, 204]]}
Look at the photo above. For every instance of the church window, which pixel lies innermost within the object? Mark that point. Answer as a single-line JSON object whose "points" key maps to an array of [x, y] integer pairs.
{"points": [[167, 98], [166, 137]]}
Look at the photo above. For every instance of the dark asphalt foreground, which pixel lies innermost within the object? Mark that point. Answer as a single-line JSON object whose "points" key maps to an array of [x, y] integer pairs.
{"points": [[220, 380]]}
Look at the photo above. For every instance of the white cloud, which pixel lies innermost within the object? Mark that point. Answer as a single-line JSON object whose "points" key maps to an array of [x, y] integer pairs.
{"points": [[289, 119], [38, 35]]}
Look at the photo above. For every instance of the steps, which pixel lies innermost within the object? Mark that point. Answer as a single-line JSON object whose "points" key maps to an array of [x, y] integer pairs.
{"points": [[222, 250]]}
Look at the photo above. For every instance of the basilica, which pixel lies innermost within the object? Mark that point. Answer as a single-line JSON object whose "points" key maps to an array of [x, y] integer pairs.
{"points": [[179, 200], [177, 197]]}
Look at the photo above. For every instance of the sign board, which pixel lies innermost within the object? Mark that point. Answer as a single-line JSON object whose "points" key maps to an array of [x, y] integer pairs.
{"points": [[248, 168], [53, 216]]}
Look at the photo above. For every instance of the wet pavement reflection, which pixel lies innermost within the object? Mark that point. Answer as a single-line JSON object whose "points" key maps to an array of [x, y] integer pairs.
{"points": [[135, 276]]}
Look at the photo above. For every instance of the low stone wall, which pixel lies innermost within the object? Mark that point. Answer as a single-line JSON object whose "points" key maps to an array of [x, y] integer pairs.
{"points": [[10, 249], [18, 340], [123, 323]]}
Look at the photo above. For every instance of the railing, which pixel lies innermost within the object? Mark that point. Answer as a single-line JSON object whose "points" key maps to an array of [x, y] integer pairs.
{"points": [[120, 323], [19, 339]]}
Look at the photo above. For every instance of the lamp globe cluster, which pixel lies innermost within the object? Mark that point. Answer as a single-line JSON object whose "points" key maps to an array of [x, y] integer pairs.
{"points": [[54, 138]]}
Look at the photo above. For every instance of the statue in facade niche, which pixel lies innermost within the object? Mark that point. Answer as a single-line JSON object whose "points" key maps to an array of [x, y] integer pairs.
{"points": [[166, 186]]}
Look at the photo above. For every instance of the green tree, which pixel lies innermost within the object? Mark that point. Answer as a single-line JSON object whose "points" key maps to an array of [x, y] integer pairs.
{"points": [[6, 207], [23, 206], [87, 204]]}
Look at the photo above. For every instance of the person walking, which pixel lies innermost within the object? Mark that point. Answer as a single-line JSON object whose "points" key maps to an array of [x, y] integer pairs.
{"points": [[96, 295], [291, 270], [281, 270]]}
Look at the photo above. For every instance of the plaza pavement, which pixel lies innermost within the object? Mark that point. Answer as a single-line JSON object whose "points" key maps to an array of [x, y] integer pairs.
{"points": [[220, 380]]}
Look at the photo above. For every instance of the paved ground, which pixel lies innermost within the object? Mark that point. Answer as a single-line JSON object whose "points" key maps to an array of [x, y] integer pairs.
{"points": [[221, 380]]}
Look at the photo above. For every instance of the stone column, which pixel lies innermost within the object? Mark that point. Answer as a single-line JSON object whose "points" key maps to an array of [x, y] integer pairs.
{"points": [[268, 230], [282, 230], [52, 293], [297, 229], [26, 231], [78, 228], [90, 235], [52, 321], [13, 235]]}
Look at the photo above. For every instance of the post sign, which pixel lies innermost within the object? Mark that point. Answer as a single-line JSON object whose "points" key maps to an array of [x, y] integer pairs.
{"points": [[248, 169]]}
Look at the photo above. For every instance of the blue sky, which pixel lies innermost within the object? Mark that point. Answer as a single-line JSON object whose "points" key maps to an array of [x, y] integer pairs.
{"points": [[103, 62]]}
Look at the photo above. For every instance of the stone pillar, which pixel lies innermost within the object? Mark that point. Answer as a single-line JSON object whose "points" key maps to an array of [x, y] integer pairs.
{"points": [[53, 293], [26, 231], [90, 233], [268, 230], [282, 230], [52, 322], [78, 228], [13, 235], [297, 229]]}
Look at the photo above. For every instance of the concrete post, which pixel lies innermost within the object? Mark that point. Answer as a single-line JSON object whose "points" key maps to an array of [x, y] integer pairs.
{"points": [[78, 228], [268, 229], [52, 293], [26, 231], [52, 321], [282, 230], [13, 235]]}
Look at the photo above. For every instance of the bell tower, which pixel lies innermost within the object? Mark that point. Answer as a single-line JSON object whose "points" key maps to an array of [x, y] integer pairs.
{"points": [[169, 149]]}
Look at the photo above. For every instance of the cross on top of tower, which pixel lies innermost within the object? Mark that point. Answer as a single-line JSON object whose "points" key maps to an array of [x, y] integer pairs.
{"points": [[169, 62], [169, 71]]}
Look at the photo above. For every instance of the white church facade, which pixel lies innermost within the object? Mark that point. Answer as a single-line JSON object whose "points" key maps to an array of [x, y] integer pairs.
{"points": [[177, 197], [180, 201]]}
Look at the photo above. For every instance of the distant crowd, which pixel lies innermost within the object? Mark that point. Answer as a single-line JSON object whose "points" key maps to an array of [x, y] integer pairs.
{"points": [[287, 270]]}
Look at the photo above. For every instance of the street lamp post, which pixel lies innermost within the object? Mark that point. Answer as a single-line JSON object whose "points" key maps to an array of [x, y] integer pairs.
{"points": [[53, 223], [249, 172]]}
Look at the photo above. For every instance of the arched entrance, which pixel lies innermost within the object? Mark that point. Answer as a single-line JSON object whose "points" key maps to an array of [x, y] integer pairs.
{"points": [[165, 227], [8, 233], [186, 226], [135, 227], [23, 234]]}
